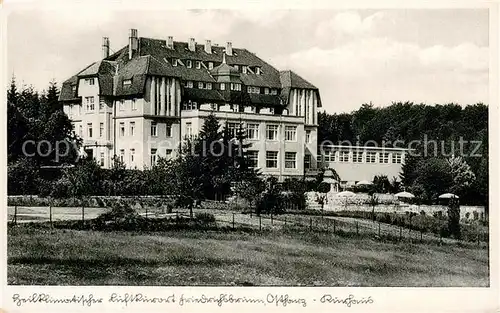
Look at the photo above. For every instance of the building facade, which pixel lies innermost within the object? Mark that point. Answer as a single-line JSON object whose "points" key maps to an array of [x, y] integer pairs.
{"points": [[141, 102], [354, 164]]}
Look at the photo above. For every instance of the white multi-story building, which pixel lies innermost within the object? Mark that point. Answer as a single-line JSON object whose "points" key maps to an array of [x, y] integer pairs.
{"points": [[140, 102], [354, 164]]}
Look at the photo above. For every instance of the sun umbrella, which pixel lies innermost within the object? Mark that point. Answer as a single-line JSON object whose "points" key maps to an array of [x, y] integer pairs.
{"points": [[346, 194], [448, 196], [404, 194], [330, 180], [363, 182]]}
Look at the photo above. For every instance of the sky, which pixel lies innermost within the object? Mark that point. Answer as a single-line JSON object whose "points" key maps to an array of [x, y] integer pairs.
{"points": [[353, 56]]}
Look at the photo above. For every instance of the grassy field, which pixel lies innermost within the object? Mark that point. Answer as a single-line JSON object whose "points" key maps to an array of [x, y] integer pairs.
{"points": [[69, 257]]}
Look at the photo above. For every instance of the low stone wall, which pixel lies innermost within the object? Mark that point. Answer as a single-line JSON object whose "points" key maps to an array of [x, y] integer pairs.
{"points": [[358, 203]]}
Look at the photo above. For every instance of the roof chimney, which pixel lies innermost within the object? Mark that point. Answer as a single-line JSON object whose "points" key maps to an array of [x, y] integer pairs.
{"points": [[208, 46], [229, 48], [170, 42], [133, 42], [192, 45], [105, 47]]}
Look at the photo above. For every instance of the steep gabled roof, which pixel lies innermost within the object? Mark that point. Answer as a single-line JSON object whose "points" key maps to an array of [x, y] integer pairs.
{"points": [[290, 79]]}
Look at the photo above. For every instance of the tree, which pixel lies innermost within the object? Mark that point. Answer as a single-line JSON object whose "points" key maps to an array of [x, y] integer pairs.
{"points": [[434, 177], [22, 177], [18, 131], [409, 173], [454, 218], [159, 179], [269, 201], [381, 184], [373, 201], [116, 176], [463, 177], [84, 178], [187, 178], [250, 190], [38, 128]]}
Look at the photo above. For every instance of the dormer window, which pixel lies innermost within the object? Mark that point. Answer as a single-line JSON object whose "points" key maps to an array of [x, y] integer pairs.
{"points": [[252, 89], [174, 62], [73, 88], [257, 70], [222, 86], [274, 91], [244, 69], [189, 64], [236, 86], [90, 81], [198, 64], [127, 82], [209, 86], [266, 91], [200, 85], [189, 84], [210, 65], [236, 66]]}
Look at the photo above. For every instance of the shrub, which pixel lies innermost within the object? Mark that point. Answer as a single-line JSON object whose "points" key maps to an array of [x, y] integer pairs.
{"points": [[205, 218]]}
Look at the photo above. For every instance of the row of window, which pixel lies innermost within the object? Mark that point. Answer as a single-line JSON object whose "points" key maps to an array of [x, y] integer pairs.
{"points": [[245, 69], [272, 159], [201, 85], [89, 103], [265, 90], [252, 131], [253, 158], [122, 130], [360, 157], [232, 86], [131, 156], [90, 130]]}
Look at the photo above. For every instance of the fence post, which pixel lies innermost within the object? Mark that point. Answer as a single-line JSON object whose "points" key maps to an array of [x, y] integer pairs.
{"points": [[327, 225], [421, 235], [478, 238], [50, 215], [334, 226], [260, 223], [379, 229], [272, 223], [146, 212], [310, 223], [285, 221], [233, 221], [15, 214], [83, 214], [357, 229], [400, 232], [250, 214]]}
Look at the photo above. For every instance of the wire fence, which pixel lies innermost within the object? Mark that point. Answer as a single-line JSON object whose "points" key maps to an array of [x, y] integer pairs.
{"points": [[347, 226]]}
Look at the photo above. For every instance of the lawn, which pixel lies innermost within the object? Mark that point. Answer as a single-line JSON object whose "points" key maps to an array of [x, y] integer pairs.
{"points": [[70, 257]]}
